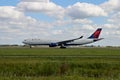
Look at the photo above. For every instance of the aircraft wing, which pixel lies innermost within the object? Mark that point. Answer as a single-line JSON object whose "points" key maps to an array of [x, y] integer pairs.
{"points": [[67, 41]]}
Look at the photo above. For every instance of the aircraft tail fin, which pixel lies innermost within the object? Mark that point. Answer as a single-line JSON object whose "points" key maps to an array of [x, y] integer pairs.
{"points": [[96, 33]]}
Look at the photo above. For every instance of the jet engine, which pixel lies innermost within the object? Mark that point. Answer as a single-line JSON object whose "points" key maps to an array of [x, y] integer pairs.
{"points": [[53, 44]]}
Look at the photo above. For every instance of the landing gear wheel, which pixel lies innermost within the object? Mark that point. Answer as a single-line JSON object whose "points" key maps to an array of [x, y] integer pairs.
{"points": [[63, 47], [30, 46]]}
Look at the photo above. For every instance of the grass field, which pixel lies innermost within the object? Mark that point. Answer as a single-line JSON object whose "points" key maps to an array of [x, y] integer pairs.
{"points": [[59, 64]]}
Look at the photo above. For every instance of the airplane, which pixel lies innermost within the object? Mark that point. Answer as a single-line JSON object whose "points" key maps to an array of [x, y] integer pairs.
{"points": [[63, 44]]}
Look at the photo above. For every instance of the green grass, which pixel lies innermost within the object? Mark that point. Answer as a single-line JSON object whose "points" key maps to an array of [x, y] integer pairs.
{"points": [[57, 51], [55, 78], [35, 64]]}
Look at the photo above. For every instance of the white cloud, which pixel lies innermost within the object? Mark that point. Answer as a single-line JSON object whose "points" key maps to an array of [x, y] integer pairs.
{"points": [[57, 32], [48, 8], [82, 21], [113, 23], [111, 30], [11, 17], [88, 27], [111, 5], [116, 32], [115, 18], [84, 10], [111, 26], [10, 12], [14, 24]]}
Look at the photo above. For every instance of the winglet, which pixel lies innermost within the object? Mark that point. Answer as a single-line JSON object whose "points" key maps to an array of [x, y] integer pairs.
{"points": [[81, 37], [96, 33]]}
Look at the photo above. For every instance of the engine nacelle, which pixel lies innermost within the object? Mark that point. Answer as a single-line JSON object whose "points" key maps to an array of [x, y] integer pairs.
{"points": [[53, 44]]}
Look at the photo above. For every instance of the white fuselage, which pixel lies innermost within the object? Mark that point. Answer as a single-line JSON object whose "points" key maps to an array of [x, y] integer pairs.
{"points": [[47, 42]]}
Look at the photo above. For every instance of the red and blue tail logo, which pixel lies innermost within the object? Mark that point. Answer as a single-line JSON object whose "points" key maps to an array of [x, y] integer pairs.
{"points": [[96, 33]]}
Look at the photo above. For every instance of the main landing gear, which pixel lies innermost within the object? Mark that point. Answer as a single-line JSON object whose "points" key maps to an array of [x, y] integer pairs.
{"points": [[30, 46], [62, 46]]}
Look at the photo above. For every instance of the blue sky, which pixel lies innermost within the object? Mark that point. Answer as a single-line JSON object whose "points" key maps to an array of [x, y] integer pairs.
{"points": [[59, 19], [66, 3], [63, 3], [8, 2]]}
